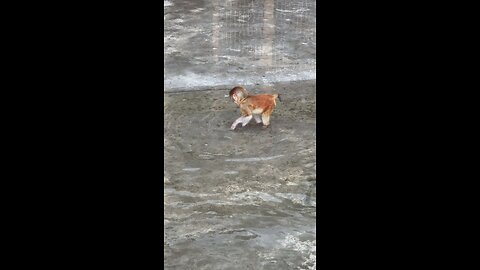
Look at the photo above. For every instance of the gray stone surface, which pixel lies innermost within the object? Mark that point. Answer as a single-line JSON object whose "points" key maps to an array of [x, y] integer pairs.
{"points": [[242, 199]]}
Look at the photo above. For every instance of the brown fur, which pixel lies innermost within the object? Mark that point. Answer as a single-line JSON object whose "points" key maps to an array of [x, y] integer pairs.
{"points": [[252, 104]]}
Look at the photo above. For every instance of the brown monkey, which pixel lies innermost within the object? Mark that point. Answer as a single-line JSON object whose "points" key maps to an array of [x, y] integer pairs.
{"points": [[253, 106]]}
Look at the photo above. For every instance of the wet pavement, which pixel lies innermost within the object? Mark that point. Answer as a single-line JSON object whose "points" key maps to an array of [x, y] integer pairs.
{"points": [[242, 199]]}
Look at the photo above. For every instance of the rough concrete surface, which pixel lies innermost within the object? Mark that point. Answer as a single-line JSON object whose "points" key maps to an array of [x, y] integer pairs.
{"points": [[242, 199]]}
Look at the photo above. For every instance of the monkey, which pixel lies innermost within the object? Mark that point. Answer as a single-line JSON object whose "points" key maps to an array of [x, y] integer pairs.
{"points": [[253, 106]]}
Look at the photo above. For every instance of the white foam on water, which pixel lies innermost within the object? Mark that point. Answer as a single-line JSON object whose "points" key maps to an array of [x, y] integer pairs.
{"points": [[190, 169], [293, 10], [252, 159], [297, 198], [171, 191], [252, 196], [193, 80], [308, 249]]}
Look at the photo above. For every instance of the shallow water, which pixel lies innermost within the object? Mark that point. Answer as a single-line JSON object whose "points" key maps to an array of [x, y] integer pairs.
{"points": [[227, 42], [242, 199], [248, 230]]}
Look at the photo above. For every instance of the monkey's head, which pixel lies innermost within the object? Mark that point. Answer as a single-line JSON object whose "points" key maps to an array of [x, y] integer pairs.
{"points": [[238, 94]]}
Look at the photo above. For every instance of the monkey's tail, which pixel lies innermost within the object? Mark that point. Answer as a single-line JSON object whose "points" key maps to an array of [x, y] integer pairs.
{"points": [[277, 96]]}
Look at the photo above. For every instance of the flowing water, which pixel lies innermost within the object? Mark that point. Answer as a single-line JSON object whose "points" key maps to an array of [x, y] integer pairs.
{"points": [[242, 199]]}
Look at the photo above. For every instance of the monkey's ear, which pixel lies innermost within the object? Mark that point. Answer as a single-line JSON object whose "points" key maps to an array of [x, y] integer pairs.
{"points": [[235, 97]]}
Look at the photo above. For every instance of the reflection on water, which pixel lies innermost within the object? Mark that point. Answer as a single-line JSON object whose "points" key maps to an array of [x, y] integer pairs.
{"points": [[269, 38], [268, 33]]}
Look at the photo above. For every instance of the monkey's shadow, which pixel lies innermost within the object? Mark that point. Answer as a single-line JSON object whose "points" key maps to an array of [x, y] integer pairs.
{"points": [[252, 128]]}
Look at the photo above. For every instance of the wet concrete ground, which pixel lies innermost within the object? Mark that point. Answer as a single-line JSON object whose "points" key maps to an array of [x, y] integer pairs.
{"points": [[242, 199]]}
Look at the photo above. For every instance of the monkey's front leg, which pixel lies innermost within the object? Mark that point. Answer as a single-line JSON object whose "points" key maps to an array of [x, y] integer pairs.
{"points": [[244, 120], [238, 121]]}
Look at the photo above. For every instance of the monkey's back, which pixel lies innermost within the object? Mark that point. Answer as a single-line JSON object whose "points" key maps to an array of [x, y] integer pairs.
{"points": [[264, 101]]}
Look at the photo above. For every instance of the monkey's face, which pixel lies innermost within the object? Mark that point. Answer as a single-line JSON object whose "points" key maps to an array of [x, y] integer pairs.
{"points": [[236, 99], [237, 94]]}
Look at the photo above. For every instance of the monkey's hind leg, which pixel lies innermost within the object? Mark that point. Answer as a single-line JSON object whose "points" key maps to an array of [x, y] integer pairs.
{"points": [[266, 118]]}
